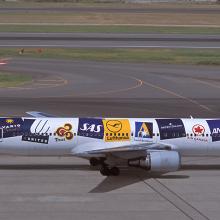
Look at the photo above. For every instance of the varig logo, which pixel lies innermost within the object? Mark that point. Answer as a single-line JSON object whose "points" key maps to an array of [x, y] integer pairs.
{"points": [[9, 121], [114, 126], [65, 131], [198, 130]]}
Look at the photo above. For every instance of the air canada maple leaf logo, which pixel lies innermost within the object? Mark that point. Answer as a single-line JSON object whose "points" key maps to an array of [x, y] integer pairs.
{"points": [[198, 130]]}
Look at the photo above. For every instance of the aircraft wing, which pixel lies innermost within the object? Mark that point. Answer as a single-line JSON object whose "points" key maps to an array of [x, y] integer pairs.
{"points": [[127, 152], [40, 115]]}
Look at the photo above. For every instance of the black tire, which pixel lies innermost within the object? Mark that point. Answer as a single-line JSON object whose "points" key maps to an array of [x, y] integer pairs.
{"points": [[115, 171], [105, 171], [94, 162]]}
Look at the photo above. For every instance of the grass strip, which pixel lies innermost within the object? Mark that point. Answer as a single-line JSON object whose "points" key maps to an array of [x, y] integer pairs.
{"points": [[173, 56], [107, 29], [8, 79]]}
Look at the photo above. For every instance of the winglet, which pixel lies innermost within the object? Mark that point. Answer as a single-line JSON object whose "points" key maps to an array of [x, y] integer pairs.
{"points": [[40, 115]]}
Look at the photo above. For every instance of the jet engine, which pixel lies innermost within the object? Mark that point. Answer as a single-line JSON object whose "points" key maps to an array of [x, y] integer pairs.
{"points": [[158, 161]]}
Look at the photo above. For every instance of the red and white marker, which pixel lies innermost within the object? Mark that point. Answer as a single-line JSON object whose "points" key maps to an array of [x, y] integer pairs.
{"points": [[3, 62]]}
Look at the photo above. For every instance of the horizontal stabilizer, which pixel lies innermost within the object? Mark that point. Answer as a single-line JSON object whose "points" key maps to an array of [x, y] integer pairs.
{"points": [[41, 115]]}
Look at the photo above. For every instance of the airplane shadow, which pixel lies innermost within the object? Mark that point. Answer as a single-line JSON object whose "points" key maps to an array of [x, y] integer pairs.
{"points": [[44, 167], [129, 177]]}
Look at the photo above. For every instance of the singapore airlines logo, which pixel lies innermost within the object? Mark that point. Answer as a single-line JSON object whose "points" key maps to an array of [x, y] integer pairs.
{"points": [[65, 131]]}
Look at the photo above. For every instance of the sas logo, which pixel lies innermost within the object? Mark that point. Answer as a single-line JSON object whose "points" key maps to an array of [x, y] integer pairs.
{"points": [[91, 127], [198, 130], [65, 131], [9, 121], [143, 130], [117, 130]]}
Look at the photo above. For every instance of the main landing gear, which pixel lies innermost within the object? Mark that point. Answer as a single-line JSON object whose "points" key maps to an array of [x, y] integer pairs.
{"points": [[105, 170]]}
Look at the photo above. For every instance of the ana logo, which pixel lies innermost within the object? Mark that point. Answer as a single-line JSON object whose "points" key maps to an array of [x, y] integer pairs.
{"points": [[65, 131], [216, 130], [198, 130], [9, 121], [114, 126]]}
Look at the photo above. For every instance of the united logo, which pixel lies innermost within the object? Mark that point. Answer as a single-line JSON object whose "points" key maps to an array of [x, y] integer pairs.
{"points": [[198, 130]]}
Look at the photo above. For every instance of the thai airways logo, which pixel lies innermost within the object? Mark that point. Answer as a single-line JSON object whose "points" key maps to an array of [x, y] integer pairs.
{"points": [[65, 131], [198, 130]]}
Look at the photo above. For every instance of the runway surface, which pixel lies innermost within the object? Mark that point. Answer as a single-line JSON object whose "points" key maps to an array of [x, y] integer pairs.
{"points": [[67, 188], [111, 10], [144, 89], [101, 40]]}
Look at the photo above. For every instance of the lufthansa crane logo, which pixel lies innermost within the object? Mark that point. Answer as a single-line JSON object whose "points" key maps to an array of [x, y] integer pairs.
{"points": [[114, 126], [65, 131]]}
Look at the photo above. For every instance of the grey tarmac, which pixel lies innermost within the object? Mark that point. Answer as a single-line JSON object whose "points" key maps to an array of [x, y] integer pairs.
{"points": [[67, 188], [110, 9], [104, 40]]}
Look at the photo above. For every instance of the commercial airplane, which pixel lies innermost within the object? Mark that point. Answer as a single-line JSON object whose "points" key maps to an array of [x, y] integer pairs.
{"points": [[153, 144]]}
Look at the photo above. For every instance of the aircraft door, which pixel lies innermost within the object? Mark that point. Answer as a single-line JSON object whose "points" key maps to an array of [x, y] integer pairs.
{"points": [[1, 134]]}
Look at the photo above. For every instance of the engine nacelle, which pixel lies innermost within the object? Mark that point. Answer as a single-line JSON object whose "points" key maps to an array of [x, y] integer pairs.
{"points": [[158, 161]]}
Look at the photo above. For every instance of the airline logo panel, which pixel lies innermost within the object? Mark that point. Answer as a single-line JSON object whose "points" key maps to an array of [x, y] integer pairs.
{"points": [[117, 130], [214, 126], [91, 127], [36, 131], [171, 128], [11, 126], [65, 132], [143, 130]]}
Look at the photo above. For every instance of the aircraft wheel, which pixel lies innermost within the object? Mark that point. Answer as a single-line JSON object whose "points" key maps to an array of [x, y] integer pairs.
{"points": [[114, 171], [94, 162], [105, 171]]}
